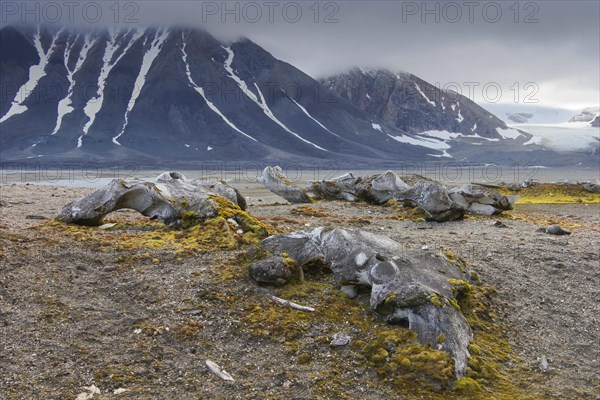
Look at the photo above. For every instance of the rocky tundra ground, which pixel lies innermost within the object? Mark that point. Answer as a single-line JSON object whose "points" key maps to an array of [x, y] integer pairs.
{"points": [[136, 309]]}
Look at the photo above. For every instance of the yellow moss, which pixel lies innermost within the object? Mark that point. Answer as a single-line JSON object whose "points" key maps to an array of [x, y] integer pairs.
{"points": [[455, 260], [553, 193], [292, 265], [402, 213], [467, 386], [187, 329], [435, 299], [304, 358], [460, 288], [379, 357], [197, 237], [441, 338], [308, 211]]}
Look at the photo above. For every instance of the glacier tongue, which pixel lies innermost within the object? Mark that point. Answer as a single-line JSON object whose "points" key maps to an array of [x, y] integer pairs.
{"points": [[159, 37], [64, 105], [36, 72], [94, 104], [261, 103], [201, 92]]}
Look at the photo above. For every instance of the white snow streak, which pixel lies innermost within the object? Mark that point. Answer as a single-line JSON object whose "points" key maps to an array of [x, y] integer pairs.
{"points": [[262, 103], [460, 118], [201, 92], [474, 127], [64, 105], [424, 96], [508, 133], [534, 140], [95, 103], [443, 135], [429, 142], [377, 127], [311, 117], [159, 38], [36, 72]]}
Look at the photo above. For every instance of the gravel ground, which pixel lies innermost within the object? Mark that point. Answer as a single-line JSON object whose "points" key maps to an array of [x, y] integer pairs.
{"points": [[70, 316]]}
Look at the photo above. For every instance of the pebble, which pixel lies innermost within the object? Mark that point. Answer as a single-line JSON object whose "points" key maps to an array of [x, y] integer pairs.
{"points": [[339, 339], [544, 363]]}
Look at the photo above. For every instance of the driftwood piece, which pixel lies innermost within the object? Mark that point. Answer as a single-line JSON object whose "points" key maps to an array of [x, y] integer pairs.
{"points": [[218, 371], [295, 306]]}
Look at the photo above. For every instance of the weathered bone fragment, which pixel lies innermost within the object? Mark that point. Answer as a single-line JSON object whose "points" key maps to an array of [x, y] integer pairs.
{"points": [[438, 203], [409, 288], [173, 199]]}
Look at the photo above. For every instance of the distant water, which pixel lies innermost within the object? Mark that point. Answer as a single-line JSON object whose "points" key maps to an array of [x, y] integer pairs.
{"points": [[449, 173]]}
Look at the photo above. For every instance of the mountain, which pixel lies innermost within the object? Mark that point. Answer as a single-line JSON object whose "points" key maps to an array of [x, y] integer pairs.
{"points": [[173, 95], [409, 103], [180, 97], [586, 115]]}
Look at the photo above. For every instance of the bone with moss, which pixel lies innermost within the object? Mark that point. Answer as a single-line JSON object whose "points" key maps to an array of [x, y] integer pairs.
{"points": [[438, 202], [415, 289], [173, 199]]}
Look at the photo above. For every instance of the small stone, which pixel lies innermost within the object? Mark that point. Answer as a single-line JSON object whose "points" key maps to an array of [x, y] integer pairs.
{"points": [[339, 339], [41, 217], [272, 270], [544, 363], [287, 384], [232, 222], [499, 224], [556, 230]]}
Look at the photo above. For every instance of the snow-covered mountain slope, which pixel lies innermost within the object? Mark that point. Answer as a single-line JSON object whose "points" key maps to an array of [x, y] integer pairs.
{"points": [[178, 96], [174, 94], [409, 103]]}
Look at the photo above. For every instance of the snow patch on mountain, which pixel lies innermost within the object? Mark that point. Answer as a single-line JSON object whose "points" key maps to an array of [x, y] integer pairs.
{"points": [[431, 143], [424, 96], [508, 133], [201, 92], [261, 103], [377, 127], [65, 104], [36, 72], [311, 117], [94, 104], [460, 117], [155, 47]]}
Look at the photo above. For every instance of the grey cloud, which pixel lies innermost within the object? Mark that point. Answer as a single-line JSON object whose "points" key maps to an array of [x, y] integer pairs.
{"points": [[559, 52]]}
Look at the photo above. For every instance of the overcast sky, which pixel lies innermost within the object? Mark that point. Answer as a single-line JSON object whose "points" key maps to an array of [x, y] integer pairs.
{"points": [[548, 49]]}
